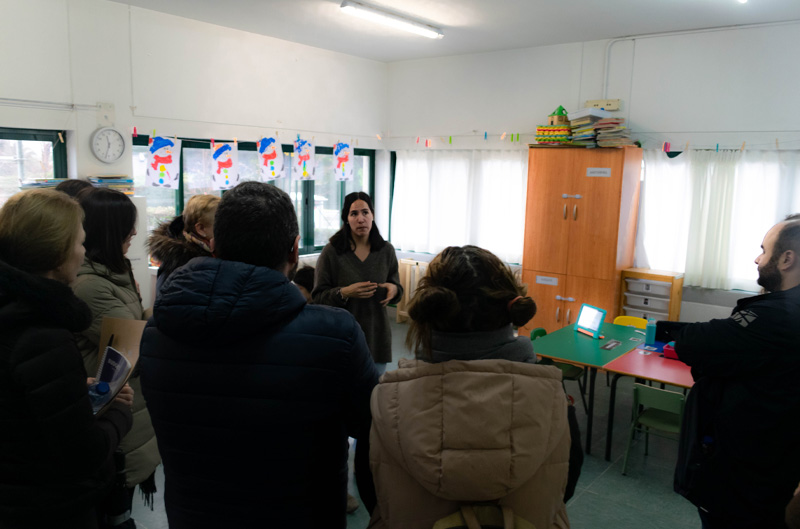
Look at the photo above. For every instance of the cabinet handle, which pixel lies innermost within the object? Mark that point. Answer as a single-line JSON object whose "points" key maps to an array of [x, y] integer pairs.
{"points": [[568, 311], [569, 299], [558, 313], [565, 211], [575, 212]]}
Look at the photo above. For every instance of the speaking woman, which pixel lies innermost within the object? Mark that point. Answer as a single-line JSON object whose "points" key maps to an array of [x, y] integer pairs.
{"points": [[55, 456], [357, 270], [105, 282]]}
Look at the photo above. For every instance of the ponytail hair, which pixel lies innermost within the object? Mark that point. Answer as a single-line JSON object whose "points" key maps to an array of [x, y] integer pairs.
{"points": [[466, 289]]}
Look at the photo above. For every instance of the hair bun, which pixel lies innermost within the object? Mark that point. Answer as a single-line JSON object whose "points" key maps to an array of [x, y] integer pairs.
{"points": [[522, 311], [434, 305]]}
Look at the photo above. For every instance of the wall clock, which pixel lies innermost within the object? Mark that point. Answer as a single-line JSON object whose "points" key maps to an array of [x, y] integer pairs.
{"points": [[108, 144]]}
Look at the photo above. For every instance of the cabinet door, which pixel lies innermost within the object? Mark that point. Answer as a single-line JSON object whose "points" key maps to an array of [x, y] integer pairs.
{"points": [[597, 292], [546, 219], [546, 293], [594, 217]]}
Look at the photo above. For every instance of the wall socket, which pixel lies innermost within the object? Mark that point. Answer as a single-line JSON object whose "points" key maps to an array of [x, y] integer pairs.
{"points": [[607, 104]]}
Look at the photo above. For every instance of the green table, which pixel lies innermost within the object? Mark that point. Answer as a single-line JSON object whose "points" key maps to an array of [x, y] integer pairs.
{"points": [[567, 345]]}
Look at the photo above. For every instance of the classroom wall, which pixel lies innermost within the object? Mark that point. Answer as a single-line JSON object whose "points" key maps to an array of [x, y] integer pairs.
{"points": [[715, 86], [178, 76]]}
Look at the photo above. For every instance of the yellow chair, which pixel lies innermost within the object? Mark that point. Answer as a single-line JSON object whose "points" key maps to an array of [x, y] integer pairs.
{"points": [[568, 371], [631, 321], [662, 410]]}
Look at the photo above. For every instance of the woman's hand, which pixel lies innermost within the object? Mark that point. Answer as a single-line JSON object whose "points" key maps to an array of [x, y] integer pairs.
{"points": [[125, 395], [363, 290], [391, 292]]}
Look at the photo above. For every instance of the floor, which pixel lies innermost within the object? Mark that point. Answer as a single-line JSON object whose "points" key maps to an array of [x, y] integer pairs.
{"points": [[604, 498]]}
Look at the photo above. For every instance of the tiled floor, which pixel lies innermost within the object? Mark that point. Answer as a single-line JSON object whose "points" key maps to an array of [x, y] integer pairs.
{"points": [[604, 498]]}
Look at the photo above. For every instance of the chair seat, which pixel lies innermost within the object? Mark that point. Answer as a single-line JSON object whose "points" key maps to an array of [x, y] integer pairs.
{"points": [[660, 420], [569, 371]]}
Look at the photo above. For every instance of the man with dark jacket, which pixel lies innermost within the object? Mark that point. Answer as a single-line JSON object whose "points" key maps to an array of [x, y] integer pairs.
{"points": [[738, 458], [252, 392]]}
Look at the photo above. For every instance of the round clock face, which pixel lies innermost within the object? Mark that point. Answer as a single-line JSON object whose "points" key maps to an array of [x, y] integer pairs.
{"points": [[107, 144]]}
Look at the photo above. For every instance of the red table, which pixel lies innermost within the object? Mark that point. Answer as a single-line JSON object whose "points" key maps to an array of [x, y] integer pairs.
{"points": [[651, 366]]}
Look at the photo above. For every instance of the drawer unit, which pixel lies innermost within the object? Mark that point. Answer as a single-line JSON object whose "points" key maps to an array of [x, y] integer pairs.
{"points": [[646, 286], [644, 313], [647, 293], [645, 301]]}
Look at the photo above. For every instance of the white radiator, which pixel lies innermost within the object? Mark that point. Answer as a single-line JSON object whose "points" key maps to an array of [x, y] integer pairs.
{"points": [[411, 272]]}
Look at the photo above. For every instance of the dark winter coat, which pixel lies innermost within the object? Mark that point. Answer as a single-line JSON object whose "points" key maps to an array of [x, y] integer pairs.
{"points": [[738, 456], [55, 457], [253, 394], [169, 247]]}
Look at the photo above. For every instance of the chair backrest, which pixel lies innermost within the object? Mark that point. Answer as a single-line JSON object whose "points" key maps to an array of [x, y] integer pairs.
{"points": [[538, 332], [660, 399], [631, 321]]}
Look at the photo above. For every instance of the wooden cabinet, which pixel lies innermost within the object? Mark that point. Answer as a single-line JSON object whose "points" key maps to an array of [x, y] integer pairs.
{"points": [[580, 226]]}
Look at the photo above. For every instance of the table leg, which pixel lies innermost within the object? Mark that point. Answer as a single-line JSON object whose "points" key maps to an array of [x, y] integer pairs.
{"points": [[590, 418], [610, 427]]}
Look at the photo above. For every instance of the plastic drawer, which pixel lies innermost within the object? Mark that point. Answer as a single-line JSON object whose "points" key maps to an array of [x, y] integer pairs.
{"points": [[647, 302], [649, 287], [645, 313]]}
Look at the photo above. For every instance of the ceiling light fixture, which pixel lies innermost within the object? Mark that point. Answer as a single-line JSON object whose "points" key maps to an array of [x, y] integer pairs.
{"points": [[381, 16], [742, 1]]}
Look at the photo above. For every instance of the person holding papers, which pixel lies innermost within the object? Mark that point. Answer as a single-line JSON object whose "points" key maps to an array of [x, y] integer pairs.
{"points": [[55, 455], [105, 282]]}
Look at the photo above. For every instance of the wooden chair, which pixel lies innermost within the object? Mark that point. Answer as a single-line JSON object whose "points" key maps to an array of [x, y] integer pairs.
{"points": [[568, 371], [662, 411]]}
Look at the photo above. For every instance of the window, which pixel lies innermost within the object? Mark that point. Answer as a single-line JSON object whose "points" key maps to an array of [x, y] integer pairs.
{"points": [[318, 218], [705, 213], [28, 156]]}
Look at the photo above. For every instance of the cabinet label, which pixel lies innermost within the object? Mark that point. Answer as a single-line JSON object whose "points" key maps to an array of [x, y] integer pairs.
{"points": [[598, 171], [545, 280]]}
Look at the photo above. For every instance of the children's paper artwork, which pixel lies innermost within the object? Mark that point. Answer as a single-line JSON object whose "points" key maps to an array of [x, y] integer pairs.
{"points": [[163, 162], [270, 159], [303, 162], [343, 156], [224, 165]]}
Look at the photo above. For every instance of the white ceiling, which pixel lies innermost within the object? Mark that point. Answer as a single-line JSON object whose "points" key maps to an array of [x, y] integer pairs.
{"points": [[471, 26]]}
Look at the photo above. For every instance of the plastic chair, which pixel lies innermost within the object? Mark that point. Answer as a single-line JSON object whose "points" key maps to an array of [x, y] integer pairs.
{"points": [[631, 321], [568, 371], [662, 411]]}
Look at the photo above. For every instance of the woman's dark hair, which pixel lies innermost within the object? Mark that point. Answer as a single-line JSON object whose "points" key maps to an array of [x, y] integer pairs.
{"points": [[466, 289], [305, 278], [109, 218], [342, 241], [73, 186]]}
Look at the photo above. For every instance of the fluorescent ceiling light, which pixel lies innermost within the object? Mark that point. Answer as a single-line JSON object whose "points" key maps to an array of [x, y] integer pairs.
{"points": [[381, 16]]}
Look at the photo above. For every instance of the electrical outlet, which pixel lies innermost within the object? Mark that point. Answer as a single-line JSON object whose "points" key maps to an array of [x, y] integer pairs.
{"points": [[606, 104]]}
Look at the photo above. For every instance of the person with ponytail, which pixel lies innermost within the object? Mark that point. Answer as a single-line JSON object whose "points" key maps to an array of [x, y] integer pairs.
{"points": [[473, 419]]}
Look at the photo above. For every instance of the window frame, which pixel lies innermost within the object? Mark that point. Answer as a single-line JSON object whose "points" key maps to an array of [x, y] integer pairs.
{"points": [[308, 186], [59, 144]]}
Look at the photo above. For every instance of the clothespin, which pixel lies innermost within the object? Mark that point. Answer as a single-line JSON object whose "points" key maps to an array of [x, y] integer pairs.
{"points": [[135, 135], [379, 137], [451, 140], [212, 144], [718, 147], [417, 140], [485, 136], [441, 138], [276, 134], [686, 148], [742, 149], [61, 138], [154, 133], [298, 137], [235, 141], [517, 137], [313, 138], [502, 136], [356, 142]]}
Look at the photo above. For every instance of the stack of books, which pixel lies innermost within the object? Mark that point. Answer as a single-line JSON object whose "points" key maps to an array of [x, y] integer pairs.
{"points": [[582, 122], [121, 183], [39, 183], [611, 132]]}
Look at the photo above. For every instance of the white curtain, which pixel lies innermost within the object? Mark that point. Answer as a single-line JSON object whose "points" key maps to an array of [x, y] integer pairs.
{"points": [[453, 198], [705, 213]]}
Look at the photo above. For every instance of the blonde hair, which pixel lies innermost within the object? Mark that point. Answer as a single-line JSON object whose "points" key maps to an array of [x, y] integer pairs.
{"points": [[199, 208], [38, 229]]}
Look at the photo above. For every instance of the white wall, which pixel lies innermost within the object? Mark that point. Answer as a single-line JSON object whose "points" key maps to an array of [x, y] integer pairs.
{"points": [[178, 76], [721, 86]]}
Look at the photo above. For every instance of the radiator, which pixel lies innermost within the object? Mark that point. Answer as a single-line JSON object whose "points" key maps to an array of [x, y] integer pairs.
{"points": [[411, 272]]}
